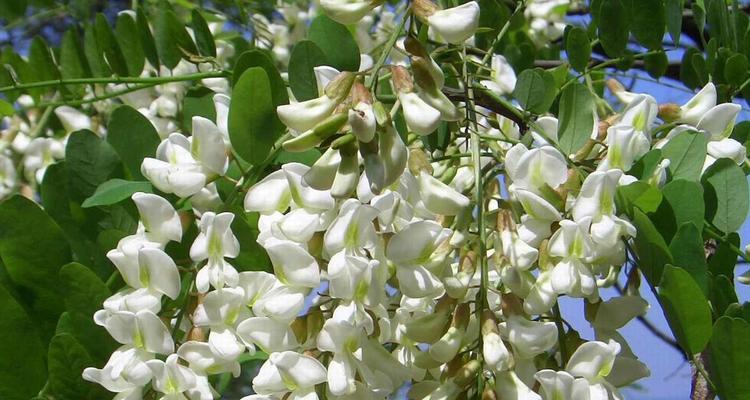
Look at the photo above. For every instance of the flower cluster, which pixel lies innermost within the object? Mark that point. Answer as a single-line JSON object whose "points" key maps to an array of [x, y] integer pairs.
{"points": [[396, 266]]}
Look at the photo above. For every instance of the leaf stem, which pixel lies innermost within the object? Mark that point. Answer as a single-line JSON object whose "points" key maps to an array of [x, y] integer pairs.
{"points": [[373, 79], [115, 79]]}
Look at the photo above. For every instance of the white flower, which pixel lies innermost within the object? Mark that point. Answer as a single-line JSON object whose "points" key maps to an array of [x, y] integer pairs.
{"points": [[305, 115], [535, 168], [222, 310], [39, 154], [529, 338], [439, 197], [503, 77], [171, 378], [288, 371], [72, 119], [455, 25], [421, 118], [143, 264], [215, 242], [347, 12], [694, 110], [362, 121], [159, 221], [142, 329], [292, 264]]}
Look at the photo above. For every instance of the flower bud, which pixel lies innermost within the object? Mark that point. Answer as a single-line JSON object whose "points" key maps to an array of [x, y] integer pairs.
{"points": [[394, 153], [313, 137], [348, 12], [431, 93], [339, 88], [305, 115], [321, 174], [347, 174], [669, 112], [439, 197], [362, 121]]}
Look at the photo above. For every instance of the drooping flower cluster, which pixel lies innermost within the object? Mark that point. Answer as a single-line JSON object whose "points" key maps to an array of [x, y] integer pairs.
{"points": [[383, 275]]}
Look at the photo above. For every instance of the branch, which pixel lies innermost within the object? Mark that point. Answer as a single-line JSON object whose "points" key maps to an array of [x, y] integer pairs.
{"points": [[492, 103], [116, 79]]}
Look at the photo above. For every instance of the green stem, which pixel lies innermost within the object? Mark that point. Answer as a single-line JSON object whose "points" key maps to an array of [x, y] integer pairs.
{"points": [[107, 96], [710, 232], [488, 56], [181, 313], [560, 335], [115, 79], [386, 51]]}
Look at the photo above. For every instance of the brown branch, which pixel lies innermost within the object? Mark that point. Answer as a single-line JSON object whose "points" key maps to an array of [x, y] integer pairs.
{"points": [[486, 101]]}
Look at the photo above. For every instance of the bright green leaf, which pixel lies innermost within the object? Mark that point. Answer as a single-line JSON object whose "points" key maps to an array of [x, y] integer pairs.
{"points": [[253, 124], [688, 252], [535, 90], [726, 191], [203, 37], [22, 366], [686, 309], [133, 138], [336, 42], [90, 162], [130, 44], [108, 43], [578, 48], [114, 191], [576, 118], [614, 26], [686, 153], [66, 360], [649, 22], [305, 56], [676, 192], [33, 248], [650, 247], [729, 359]]}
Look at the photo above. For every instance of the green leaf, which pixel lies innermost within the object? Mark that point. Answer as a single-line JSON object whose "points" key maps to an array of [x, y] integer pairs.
{"points": [[688, 252], [252, 257], [735, 69], [686, 309], [306, 157], [673, 15], [22, 366], [645, 166], [638, 194], [650, 247], [305, 56], [72, 60], [649, 22], [40, 60], [80, 226], [578, 48], [253, 124], [721, 294], [84, 291], [729, 359], [133, 138], [203, 37], [114, 191], [109, 45], [676, 191], [576, 117], [66, 361], [11, 9], [656, 64], [90, 162], [33, 248], [198, 101], [146, 38], [688, 74], [724, 259], [6, 109], [94, 53], [172, 40], [614, 27], [686, 153], [336, 42], [726, 193], [130, 45], [259, 58], [535, 90]]}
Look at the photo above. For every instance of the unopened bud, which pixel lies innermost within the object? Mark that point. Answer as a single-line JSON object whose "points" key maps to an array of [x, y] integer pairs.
{"points": [[467, 374], [326, 128], [347, 174], [669, 112], [424, 8], [339, 88], [321, 174], [401, 79], [419, 162]]}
